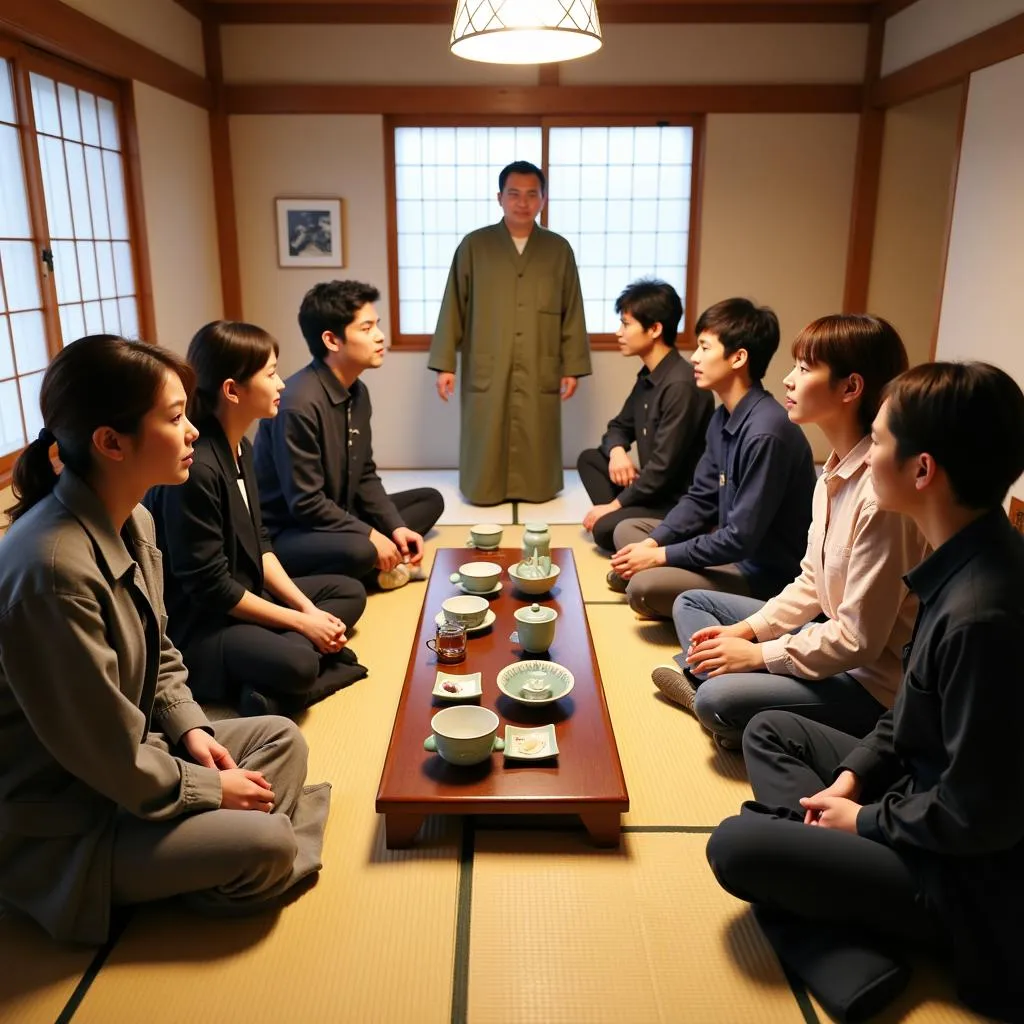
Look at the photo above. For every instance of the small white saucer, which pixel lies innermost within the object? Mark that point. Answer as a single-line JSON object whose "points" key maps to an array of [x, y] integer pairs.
{"points": [[489, 620], [532, 744], [449, 686], [480, 593]]}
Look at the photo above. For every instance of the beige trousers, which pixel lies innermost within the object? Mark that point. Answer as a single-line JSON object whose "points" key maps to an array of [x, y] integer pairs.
{"points": [[231, 862], [652, 592]]}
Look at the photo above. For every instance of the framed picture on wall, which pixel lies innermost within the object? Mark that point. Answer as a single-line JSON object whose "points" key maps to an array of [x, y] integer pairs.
{"points": [[310, 232]]}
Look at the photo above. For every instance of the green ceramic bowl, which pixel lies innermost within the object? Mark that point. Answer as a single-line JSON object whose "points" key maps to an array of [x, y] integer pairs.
{"points": [[535, 682], [532, 585]]}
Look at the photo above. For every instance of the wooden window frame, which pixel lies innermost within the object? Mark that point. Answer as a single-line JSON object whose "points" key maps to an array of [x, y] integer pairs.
{"points": [[421, 342], [23, 60]]}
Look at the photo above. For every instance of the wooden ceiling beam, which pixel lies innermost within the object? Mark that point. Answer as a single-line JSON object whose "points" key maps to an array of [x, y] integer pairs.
{"points": [[435, 13]]}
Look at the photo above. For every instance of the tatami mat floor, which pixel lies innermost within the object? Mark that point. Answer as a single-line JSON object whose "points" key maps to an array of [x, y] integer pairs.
{"points": [[472, 924]]}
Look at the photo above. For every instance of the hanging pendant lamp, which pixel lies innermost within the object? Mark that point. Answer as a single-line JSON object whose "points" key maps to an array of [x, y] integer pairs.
{"points": [[525, 31]]}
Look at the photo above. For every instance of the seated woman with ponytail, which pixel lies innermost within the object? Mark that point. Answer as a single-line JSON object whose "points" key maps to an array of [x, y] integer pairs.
{"points": [[249, 634], [114, 787]]}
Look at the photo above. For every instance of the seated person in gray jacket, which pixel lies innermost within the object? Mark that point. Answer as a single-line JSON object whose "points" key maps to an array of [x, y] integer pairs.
{"points": [[322, 500], [665, 416], [115, 788]]}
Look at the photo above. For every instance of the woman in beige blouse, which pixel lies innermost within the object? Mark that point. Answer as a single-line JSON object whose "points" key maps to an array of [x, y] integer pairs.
{"points": [[829, 646]]}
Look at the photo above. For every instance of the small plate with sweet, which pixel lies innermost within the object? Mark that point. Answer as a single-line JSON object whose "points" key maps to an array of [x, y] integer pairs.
{"points": [[530, 744], [450, 686]]}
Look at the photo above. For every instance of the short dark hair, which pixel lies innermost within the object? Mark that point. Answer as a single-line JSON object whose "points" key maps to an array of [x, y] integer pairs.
{"points": [[738, 323], [225, 350], [855, 343], [970, 418], [101, 380], [332, 306], [649, 302], [523, 167]]}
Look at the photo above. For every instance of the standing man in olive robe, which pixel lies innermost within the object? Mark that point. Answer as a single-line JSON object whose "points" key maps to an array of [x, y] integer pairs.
{"points": [[513, 309]]}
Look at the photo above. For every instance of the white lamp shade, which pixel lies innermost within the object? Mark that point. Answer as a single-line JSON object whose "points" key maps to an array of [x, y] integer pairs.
{"points": [[525, 31]]}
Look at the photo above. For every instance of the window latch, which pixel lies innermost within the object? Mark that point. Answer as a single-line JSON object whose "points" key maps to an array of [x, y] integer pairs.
{"points": [[46, 255]]}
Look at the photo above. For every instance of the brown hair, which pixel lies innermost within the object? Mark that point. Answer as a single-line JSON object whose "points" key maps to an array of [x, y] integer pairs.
{"points": [[849, 343], [970, 418], [97, 381], [225, 350]]}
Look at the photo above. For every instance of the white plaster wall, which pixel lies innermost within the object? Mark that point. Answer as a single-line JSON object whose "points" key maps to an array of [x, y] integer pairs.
{"points": [[177, 189], [360, 54], [776, 213], [681, 54], [914, 204], [632, 54], [929, 26], [980, 316], [162, 25], [777, 202]]}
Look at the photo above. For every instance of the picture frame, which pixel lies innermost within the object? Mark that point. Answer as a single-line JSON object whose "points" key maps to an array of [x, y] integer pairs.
{"points": [[310, 231]]}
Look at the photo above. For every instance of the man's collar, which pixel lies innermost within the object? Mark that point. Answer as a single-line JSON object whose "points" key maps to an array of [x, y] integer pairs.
{"points": [[928, 578], [84, 504], [336, 391], [744, 407], [660, 372]]}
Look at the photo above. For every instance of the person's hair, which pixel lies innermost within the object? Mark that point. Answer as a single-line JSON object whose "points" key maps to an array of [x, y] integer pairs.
{"points": [[855, 343], [523, 167], [225, 350], [738, 323], [650, 301], [970, 418], [97, 381], [332, 306]]}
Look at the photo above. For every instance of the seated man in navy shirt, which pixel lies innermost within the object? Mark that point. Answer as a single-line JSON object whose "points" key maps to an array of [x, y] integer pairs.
{"points": [[665, 416], [914, 835], [742, 525]]}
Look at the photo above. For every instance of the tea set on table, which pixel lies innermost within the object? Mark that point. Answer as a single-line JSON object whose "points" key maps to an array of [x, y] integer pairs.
{"points": [[466, 734]]}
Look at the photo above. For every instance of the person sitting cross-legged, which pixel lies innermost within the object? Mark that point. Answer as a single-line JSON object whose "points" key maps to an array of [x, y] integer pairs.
{"points": [[665, 416], [742, 525], [741, 655], [322, 500], [857, 852], [250, 635]]}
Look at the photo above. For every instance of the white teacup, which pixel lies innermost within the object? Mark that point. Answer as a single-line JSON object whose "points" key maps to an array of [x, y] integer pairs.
{"points": [[477, 577], [468, 611], [486, 536], [465, 734]]}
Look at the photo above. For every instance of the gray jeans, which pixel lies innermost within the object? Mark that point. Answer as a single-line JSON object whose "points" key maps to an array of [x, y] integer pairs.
{"points": [[726, 703], [652, 591], [225, 861]]}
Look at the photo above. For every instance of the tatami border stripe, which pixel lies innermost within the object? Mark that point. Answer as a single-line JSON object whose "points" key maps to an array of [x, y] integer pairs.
{"points": [[803, 1000], [117, 928], [704, 830], [463, 915]]}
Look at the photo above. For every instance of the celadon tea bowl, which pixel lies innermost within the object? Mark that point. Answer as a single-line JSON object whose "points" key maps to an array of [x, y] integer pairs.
{"points": [[465, 734]]}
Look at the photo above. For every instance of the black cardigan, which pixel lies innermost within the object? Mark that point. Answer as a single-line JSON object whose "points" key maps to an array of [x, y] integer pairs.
{"points": [[213, 546]]}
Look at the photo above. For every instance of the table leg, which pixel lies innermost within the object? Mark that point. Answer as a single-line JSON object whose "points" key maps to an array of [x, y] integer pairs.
{"points": [[400, 829], [603, 827]]}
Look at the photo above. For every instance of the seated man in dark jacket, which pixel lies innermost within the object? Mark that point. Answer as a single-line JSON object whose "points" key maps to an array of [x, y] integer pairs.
{"points": [[665, 416], [914, 835], [322, 500]]}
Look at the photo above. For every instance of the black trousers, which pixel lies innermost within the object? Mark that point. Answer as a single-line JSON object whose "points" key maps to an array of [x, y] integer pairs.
{"points": [[835, 906], [278, 663], [350, 552], [592, 466]]}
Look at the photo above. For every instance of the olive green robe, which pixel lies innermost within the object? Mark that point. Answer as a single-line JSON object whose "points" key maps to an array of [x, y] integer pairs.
{"points": [[517, 321]]}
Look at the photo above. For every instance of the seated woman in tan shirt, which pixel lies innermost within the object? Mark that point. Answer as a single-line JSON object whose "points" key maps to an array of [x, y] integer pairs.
{"points": [[829, 646]]}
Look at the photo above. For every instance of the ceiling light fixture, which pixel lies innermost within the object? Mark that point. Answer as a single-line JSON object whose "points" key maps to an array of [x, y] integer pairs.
{"points": [[525, 31]]}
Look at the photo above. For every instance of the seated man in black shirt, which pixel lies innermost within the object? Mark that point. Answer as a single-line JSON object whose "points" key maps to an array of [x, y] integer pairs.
{"points": [[914, 835], [665, 415], [321, 497]]}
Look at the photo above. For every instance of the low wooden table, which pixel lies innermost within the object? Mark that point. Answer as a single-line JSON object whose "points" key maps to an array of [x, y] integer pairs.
{"points": [[585, 778]]}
